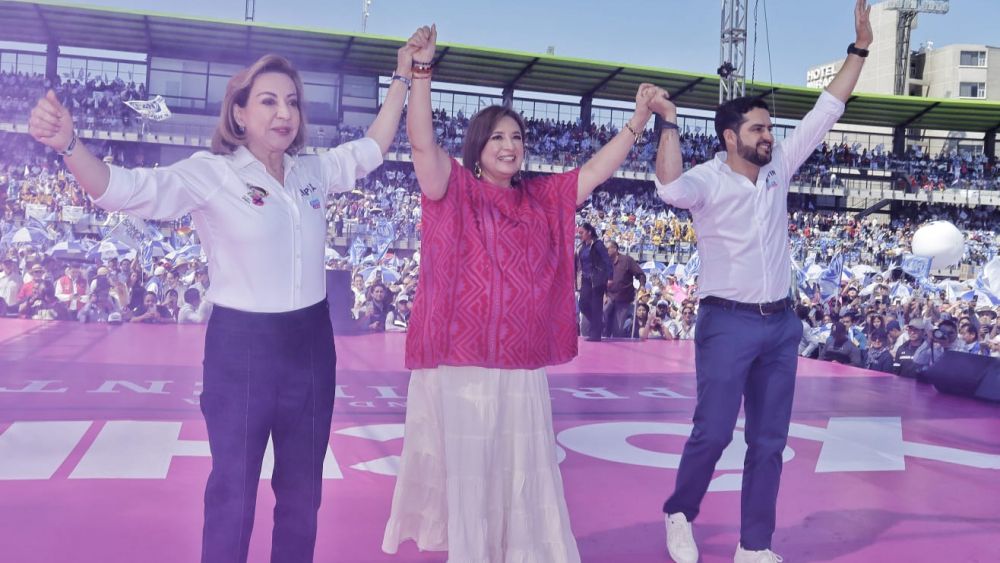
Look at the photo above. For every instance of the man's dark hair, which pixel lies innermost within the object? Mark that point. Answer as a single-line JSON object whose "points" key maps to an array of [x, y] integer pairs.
{"points": [[839, 332], [190, 294], [612, 244], [948, 323], [732, 114], [968, 328]]}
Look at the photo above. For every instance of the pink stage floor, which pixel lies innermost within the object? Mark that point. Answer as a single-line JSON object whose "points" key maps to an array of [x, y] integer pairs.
{"points": [[103, 455]]}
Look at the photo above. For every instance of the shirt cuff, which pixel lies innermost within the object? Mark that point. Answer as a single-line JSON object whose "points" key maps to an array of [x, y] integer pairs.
{"points": [[666, 194], [656, 182], [117, 193]]}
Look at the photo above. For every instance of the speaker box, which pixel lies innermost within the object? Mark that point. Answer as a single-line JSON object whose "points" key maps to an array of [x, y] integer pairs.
{"points": [[989, 387], [968, 375], [341, 298]]}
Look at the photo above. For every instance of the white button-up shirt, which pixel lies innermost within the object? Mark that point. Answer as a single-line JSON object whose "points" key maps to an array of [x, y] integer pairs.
{"points": [[265, 242], [742, 228]]}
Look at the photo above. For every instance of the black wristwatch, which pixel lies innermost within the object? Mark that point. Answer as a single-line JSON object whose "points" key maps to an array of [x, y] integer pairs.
{"points": [[852, 50]]}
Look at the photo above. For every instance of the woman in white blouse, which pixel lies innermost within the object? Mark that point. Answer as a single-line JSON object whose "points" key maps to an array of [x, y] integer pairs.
{"points": [[260, 211]]}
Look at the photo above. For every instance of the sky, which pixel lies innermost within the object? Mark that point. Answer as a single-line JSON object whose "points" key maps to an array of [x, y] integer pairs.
{"points": [[672, 34]]}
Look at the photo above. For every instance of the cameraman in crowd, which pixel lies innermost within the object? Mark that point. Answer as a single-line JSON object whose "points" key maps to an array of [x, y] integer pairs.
{"points": [[944, 338]]}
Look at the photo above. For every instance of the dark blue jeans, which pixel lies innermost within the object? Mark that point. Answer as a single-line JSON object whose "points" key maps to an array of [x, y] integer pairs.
{"points": [[266, 374], [749, 357]]}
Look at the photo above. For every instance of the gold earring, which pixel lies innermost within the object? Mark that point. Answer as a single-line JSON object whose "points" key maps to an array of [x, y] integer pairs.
{"points": [[477, 171]]}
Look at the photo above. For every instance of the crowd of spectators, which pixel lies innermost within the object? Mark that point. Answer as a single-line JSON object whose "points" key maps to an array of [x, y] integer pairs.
{"points": [[33, 285], [97, 103], [867, 324], [571, 144], [94, 102]]}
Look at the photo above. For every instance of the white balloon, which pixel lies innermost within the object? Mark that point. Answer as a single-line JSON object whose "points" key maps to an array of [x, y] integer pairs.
{"points": [[941, 241]]}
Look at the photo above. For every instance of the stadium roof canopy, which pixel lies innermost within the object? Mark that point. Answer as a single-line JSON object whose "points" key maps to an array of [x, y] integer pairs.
{"points": [[236, 41]]}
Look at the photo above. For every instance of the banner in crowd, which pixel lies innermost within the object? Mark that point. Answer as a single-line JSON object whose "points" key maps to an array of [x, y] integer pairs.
{"points": [[72, 213], [132, 231], [155, 109], [36, 211], [917, 266]]}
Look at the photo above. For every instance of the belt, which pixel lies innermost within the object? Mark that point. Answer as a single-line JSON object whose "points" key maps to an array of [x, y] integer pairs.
{"points": [[763, 309]]}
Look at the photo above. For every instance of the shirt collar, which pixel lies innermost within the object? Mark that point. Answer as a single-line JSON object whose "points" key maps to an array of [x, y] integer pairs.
{"points": [[721, 160], [243, 158]]}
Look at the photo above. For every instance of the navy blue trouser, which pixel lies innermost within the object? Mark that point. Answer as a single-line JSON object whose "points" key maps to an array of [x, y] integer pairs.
{"points": [[266, 374], [592, 306], [749, 357]]}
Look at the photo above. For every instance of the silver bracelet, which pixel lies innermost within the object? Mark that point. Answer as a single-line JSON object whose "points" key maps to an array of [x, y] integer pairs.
{"points": [[403, 79]]}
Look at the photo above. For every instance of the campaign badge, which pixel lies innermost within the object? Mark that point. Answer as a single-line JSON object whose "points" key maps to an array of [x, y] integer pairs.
{"points": [[255, 195]]}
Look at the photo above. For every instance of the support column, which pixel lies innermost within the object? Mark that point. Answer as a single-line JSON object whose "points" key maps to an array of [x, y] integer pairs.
{"points": [[508, 96], [586, 110], [899, 140], [52, 62]]}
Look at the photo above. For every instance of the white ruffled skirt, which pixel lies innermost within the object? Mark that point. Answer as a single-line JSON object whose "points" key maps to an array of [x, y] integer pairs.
{"points": [[479, 476]]}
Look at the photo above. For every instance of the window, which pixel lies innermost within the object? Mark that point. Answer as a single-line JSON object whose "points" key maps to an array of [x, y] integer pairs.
{"points": [[454, 102], [83, 68], [22, 62], [613, 117], [972, 90], [972, 58], [182, 83]]}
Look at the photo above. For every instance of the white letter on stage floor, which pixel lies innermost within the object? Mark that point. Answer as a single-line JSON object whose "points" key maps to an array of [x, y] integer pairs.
{"points": [[35, 450], [126, 449]]}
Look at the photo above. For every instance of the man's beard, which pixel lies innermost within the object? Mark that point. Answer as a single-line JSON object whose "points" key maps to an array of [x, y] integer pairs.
{"points": [[751, 155]]}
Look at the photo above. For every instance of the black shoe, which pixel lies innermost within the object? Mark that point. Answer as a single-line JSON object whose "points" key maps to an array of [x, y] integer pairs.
{"points": [[593, 339]]}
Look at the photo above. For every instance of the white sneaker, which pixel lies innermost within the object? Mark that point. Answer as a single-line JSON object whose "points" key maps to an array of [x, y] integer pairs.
{"points": [[762, 556], [680, 541]]}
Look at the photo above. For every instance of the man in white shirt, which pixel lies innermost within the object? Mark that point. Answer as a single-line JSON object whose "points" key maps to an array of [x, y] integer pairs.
{"points": [[194, 310], [10, 283], [201, 282], [747, 332]]}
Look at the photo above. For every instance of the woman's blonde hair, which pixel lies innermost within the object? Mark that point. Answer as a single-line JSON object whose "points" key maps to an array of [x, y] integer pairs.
{"points": [[228, 135]]}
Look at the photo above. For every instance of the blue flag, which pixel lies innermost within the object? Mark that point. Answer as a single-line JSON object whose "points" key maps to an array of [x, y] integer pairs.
{"points": [[917, 266], [829, 280], [357, 250], [693, 266], [900, 291]]}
